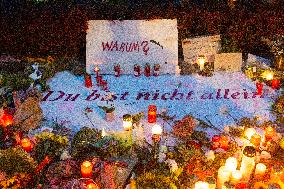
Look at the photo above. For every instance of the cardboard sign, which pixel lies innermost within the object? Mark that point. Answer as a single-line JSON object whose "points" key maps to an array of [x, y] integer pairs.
{"points": [[131, 42], [207, 46], [231, 62]]}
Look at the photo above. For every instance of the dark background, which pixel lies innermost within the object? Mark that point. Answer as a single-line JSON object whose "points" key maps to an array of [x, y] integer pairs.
{"points": [[57, 27]]}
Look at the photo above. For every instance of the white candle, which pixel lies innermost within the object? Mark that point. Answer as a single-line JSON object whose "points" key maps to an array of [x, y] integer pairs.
{"points": [[254, 69], [223, 176], [260, 170], [103, 132], [249, 132], [201, 61], [248, 162], [236, 176], [201, 185], [231, 164]]}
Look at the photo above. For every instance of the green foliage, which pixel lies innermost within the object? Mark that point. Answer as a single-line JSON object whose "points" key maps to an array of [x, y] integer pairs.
{"points": [[83, 140], [278, 109], [2, 134], [230, 45], [236, 131], [158, 178], [107, 109], [248, 122], [200, 136], [137, 117], [16, 160], [184, 153], [16, 81], [110, 146], [49, 144]]}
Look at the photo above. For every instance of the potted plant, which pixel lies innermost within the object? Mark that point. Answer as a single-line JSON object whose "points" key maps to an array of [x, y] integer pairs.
{"points": [[109, 112]]}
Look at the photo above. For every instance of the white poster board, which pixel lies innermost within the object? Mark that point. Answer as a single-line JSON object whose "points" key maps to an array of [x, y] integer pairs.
{"points": [[131, 42], [207, 46], [231, 62]]}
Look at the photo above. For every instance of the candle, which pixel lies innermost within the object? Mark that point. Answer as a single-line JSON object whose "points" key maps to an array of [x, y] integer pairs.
{"points": [[156, 132], [231, 164], [281, 143], [259, 87], [275, 83], [97, 69], [223, 176], [268, 133], [103, 133], [256, 140], [249, 132], [201, 185], [88, 80], [201, 62], [253, 69], [248, 162], [127, 122], [86, 169], [6, 119], [236, 176], [216, 142], [260, 170], [152, 114], [241, 185], [92, 186], [26, 144], [224, 142], [268, 75]]}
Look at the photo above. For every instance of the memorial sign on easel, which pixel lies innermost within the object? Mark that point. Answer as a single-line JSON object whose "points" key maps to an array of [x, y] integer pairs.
{"points": [[132, 43]]}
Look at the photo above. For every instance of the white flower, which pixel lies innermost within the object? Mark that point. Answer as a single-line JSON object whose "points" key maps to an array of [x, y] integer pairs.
{"points": [[161, 157], [227, 129], [46, 129], [210, 155], [172, 164], [65, 155], [163, 149], [36, 74]]}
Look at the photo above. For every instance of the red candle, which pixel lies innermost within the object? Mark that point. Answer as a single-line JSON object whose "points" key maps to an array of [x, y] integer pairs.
{"points": [[259, 87], [241, 185], [275, 84], [88, 80], [224, 142], [215, 142], [92, 186], [6, 120], [152, 114], [26, 144], [86, 169], [269, 133]]}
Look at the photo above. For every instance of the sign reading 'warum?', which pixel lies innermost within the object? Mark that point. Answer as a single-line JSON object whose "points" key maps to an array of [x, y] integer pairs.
{"points": [[131, 42]]}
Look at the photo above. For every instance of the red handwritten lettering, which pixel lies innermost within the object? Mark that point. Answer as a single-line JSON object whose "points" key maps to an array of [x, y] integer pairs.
{"points": [[134, 47]]}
